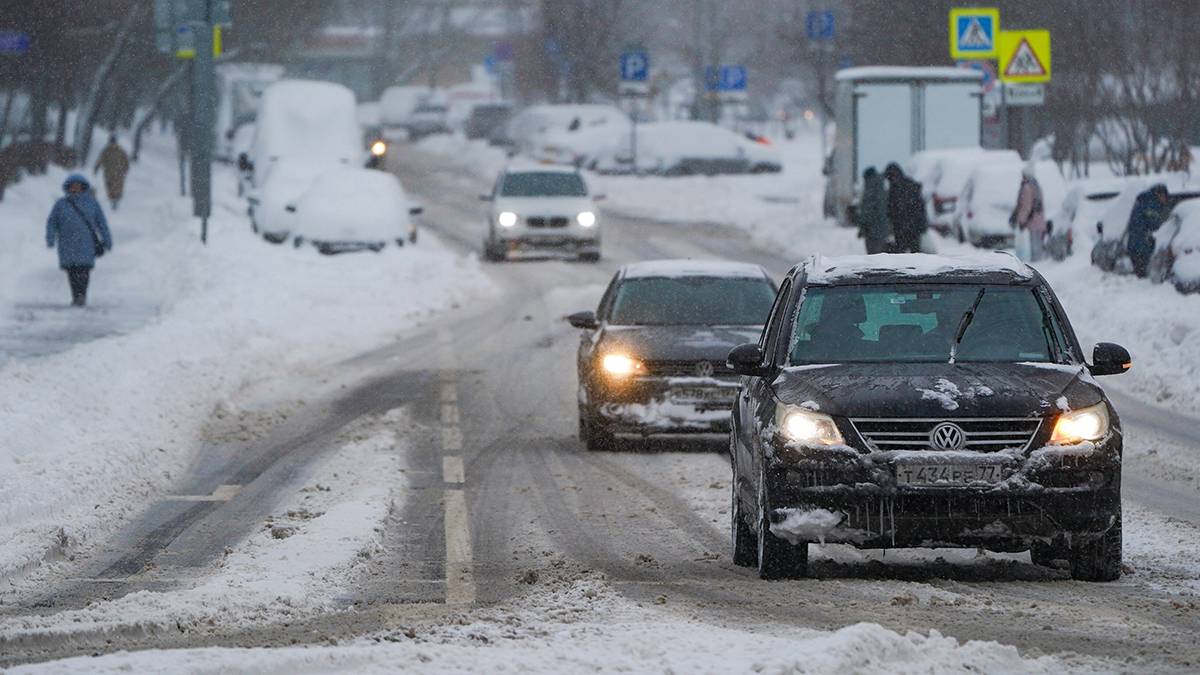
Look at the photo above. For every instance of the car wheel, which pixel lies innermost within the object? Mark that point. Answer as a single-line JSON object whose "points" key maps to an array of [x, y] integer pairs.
{"points": [[777, 558], [590, 256], [1098, 559], [1045, 555], [492, 253], [745, 545], [593, 434]]}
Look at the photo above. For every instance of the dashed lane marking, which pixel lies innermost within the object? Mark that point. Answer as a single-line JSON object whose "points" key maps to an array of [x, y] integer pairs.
{"points": [[452, 470], [460, 568], [452, 440]]}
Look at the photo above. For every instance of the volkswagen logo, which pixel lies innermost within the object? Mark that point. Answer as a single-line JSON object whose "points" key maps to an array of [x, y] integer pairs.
{"points": [[947, 436], [704, 369]]}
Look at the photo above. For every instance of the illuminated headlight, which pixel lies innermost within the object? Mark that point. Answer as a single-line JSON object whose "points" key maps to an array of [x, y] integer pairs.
{"points": [[1085, 424], [800, 425], [620, 365], [586, 218], [507, 219], [378, 148]]}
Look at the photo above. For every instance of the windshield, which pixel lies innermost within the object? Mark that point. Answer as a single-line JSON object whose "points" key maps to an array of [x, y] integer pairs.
{"points": [[708, 301], [543, 184], [876, 324]]}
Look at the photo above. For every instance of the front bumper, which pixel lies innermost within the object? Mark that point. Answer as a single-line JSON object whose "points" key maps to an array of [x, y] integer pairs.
{"points": [[666, 405], [1048, 495], [529, 241]]}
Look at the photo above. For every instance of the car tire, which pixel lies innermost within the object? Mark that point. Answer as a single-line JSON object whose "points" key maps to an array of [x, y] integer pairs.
{"points": [[1045, 555], [1098, 559], [593, 434], [777, 558], [492, 253], [744, 541], [590, 256]]}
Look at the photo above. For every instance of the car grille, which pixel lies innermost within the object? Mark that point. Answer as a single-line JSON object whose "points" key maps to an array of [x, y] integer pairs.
{"points": [[981, 434], [541, 221], [685, 368]]}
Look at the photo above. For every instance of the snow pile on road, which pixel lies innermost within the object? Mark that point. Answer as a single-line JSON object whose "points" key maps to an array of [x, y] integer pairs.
{"points": [[296, 565], [93, 432], [582, 627]]}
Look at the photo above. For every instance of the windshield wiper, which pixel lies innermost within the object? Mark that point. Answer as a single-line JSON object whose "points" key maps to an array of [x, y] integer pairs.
{"points": [[963, 323]]}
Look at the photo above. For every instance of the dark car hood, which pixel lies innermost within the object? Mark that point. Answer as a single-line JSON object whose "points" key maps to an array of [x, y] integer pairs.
{"points": [[677, 343], [935, 390]]}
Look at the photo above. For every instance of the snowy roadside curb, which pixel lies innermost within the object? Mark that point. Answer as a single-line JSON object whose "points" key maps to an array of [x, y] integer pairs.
{"points": [[298, 564], [583, 626]]}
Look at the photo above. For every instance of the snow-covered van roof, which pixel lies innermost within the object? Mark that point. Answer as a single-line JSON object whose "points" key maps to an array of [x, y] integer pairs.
{"points": [[693, 268], [996, 266], [909, 73]]}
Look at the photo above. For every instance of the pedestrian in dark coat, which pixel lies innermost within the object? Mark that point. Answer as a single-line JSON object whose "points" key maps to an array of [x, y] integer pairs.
{"points": [[1150, 211], [905, 209], [873, 224], [115, 164], [78, 227]]}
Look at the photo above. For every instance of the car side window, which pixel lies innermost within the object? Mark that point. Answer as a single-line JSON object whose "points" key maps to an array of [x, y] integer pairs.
{"points": [[770, 337]]}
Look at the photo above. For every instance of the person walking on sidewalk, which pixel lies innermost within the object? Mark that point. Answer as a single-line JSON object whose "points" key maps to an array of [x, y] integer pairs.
{"points": [[78, 227], [873, 225], [115, 164]]}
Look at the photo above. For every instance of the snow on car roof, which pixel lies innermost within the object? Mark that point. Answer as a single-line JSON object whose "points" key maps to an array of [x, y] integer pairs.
{"points": [[830, 270], [692, 268], [909, 73]]}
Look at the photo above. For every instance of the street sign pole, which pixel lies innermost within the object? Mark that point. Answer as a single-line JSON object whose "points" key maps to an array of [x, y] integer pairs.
{"points": [[203, 113]]}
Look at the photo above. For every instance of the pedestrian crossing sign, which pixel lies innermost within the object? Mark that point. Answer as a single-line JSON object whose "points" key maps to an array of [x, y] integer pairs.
{"points": [[1024, 56], [973, 32]]}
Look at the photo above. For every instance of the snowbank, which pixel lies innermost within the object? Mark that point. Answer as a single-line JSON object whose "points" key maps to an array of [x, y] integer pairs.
{"points": [[581, 627], [91, 433]]}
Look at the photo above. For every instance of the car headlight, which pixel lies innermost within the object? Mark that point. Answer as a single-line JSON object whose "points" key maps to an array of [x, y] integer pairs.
{"points": [[620, 365], [378, 148], [506, 219], [801, 425], [586, 218], [1085, 424]]}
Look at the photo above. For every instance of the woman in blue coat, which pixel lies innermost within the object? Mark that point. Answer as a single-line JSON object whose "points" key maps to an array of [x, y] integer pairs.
{"points": [[78, 227]]}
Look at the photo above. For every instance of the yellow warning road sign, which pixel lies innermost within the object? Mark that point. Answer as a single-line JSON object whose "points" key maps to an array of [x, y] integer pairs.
{"points": [[1024, 55], [973, 32]]}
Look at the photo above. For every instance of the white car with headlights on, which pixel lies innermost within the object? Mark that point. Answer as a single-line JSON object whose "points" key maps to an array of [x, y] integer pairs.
{"points": [[542, 208]]}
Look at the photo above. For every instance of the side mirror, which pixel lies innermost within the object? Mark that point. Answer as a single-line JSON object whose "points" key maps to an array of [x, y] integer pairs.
{"points": [[416, 210], [485, 198], [584, 320], [1110, 359], [290, 208], [746, 360]]}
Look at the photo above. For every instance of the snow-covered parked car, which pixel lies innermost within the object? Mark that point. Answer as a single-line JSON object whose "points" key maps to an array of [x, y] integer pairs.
{"points": [[685, 148], [354, 209], [398, 106], [989, 197], [1109, 252], [943, 174], [542, 208], [1082, 208], [569, 134], [1176, 255]]}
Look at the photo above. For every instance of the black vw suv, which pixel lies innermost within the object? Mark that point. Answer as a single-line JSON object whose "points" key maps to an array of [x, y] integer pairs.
{"points": [[924, 401]]}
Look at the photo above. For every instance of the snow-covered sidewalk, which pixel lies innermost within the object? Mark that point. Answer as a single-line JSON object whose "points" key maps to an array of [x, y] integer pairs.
{"points": [[92, 432]]}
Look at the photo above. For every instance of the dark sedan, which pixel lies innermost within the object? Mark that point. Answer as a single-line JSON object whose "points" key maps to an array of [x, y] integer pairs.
{"points": [[924, 401], [652, 357]]}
